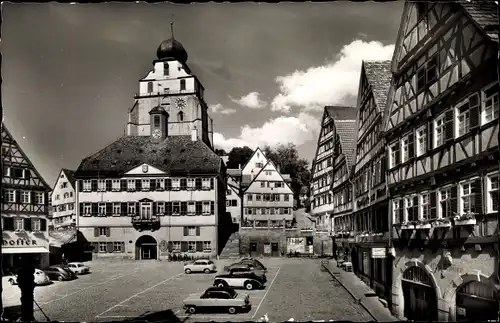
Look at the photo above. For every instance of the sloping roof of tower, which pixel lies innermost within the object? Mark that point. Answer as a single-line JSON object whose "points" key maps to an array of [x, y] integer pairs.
{"points": [[176, 156], [346, 129], [484, 14], [378, 74]]}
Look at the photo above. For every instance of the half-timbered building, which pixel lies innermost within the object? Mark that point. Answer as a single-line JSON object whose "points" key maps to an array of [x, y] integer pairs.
{"points": [[24, 207], [341, 187], [442, 136], [322, 166], [160, 189], [370, 204]]}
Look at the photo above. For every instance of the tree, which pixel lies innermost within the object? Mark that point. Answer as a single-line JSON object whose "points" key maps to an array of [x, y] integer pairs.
{"points": [[239, 156], [220, 152], [286, 157]]}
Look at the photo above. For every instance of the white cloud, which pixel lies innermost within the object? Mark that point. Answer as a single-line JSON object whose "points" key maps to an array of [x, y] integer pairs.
{"points": [[251, 100], [283, 129], [330, 84], [219, 108]]}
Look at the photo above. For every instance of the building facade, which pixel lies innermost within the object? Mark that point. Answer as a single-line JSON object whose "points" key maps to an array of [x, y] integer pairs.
{"points": [[160, 189], [233, 199], [442, 135], [24, 207], [370, 203], [322, 169], [63, 200], [341, 188]]}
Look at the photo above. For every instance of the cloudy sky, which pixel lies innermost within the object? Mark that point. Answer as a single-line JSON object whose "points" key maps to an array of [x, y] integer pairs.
{"points": [[70, 71]]}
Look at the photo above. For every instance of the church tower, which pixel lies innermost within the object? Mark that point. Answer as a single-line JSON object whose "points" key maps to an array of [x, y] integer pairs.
{"points": [[170, 99]]}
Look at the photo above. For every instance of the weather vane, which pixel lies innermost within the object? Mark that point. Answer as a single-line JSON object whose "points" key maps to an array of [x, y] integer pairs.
{"points": [[172, 26]]}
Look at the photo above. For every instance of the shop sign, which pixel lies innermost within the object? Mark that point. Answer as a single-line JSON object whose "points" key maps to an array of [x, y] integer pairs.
{"points": [[378, 252], [19, 242]]}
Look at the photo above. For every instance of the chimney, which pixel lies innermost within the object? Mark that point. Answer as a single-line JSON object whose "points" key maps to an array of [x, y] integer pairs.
{"points": [[239, 166], [194, 134]]}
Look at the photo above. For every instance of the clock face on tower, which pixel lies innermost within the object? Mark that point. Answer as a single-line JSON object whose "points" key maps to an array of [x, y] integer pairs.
{"points": [[180, 103], [156, 133]]}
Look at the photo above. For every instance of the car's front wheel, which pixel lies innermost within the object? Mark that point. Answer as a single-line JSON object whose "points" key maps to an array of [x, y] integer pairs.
{"points": [[191, 309], [187, 271], [232, 310], [60, 278], [207, 271], [249, 285], [220, 283]]}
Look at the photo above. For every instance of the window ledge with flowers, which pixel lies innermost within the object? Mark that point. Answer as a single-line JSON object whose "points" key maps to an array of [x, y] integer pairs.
{"points": [[441, 223], [468, 218]]}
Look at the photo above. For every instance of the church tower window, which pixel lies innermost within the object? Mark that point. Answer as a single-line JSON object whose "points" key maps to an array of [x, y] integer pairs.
{"points": [[156, 121], [150, 87], [183, 85], [165, 69], [180, 116]]}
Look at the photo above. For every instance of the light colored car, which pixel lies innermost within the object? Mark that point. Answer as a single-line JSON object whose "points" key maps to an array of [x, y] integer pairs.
{"points": [[246, 280], [78, 268], [40, 278], [217, 297], [202, 266]]}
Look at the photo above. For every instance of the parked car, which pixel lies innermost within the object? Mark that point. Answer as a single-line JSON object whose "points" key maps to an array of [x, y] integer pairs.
{"points": [[252, 263], [247, 269], [217, 297], [60, 273], [246, 280], [78, 268], [201, 265], [40, 278]]}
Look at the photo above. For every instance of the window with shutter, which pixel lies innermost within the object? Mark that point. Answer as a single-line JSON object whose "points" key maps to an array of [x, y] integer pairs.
{"points": [[94, 185], [199, 207], [108, 232], [186, 231], [212, 183], [27, 224], [449, 127], [197, 231], [95, 209], [212, 207], [108, 185], [184, 246], [138, 185], [453, 200], [433, 206], [168, 184], [109, 209], [478, 197], [96, 232], [110, 247], [199, 246], [198, 185]]}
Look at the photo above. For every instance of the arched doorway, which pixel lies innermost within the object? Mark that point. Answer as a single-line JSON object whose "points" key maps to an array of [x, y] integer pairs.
{"points": [[420, 299], [146, 248], [475, 301]]}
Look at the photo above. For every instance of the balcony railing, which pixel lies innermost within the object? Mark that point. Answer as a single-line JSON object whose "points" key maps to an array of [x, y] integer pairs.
{"points": [[146, 223]]}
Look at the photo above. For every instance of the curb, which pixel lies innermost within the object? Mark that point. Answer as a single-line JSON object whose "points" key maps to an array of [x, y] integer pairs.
{"points": [[358, 300]]}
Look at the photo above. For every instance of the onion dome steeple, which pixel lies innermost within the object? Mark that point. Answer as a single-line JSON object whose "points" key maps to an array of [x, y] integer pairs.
{"points": [[172, 48]]}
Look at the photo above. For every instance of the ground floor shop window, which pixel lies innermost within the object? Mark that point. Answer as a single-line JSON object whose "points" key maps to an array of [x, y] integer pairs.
{"points": [[475, 302]]}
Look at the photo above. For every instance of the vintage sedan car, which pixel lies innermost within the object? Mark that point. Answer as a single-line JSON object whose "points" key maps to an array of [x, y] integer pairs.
{"points": [[246, 280], [78, 268], [254, 264], [201, 265], [217, 297], [40, 278], [60, 273], [247, 269]]}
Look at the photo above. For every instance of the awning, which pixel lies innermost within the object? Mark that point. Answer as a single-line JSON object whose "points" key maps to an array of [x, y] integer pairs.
{"points": [[24, 250]]}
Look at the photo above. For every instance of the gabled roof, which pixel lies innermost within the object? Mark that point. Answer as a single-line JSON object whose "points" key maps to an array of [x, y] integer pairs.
{"points": [[341, 112], [269, 161], [70, 176], [254, 152], [14, 142], [176, 155], [347, 129], [379, 75], [484, 14]]}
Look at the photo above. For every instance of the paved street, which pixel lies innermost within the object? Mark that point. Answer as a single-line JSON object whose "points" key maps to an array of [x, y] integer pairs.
{"points": [[297, 288]]}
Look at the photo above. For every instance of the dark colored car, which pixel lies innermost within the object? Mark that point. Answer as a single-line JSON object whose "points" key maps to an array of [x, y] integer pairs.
{"points": [[239, 280], [238, 268], [60, 273], [252, 263]]}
